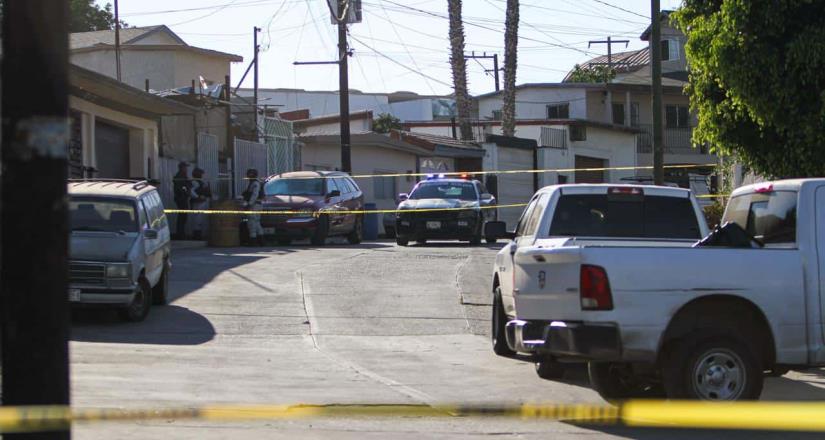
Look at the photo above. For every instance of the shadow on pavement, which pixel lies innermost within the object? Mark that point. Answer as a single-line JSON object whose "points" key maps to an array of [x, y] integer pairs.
{"points": [[458, 244], [679, 434], [168, 325]]}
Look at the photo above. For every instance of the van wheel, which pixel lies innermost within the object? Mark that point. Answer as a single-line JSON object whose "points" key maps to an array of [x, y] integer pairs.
{"points": [[549, 369], [142, 302], [319, 237], [160, 293], [616, 381], [357, 233], [499, 327], [712, 367]]}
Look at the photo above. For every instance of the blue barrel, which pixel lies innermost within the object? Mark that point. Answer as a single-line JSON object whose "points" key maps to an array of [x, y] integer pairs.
{"points": [[370, 222]]}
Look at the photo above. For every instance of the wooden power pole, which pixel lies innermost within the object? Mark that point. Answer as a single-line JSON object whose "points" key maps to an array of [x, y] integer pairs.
{"points": [[343, 86], [656, 69], [34, 304]]}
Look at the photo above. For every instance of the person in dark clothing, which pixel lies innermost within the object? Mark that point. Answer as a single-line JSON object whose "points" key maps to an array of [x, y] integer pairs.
{"points": [[182, 188]]}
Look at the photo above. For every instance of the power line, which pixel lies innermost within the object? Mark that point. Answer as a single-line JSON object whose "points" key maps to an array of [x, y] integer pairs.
{"points": [[221, 8], [422, 74], [621, 9], [401, 40], [528, 5], [247, 4]]}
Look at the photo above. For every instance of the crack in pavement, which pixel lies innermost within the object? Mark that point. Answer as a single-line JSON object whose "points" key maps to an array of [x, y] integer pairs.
{"points": [[396, 386]]}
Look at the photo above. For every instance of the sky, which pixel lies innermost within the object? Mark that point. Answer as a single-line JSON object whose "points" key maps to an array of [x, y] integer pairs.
{"points": [[400, 44]]}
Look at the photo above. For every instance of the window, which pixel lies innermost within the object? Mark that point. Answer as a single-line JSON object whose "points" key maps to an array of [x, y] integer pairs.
{"points": [[670, 49], [444, 190], [294, 187], [384, 187], [154, 207], [332, 185], [353, 186], [618, 113], [343, 185], [522, 221], [769, 217], [143, 219], [677, 116], [531, 222], [102, 215], [558, 111], [603, 215], [497, 115], [634, 114], [578, 132]]}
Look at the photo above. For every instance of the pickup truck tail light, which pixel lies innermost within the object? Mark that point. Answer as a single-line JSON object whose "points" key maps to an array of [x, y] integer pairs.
{"points": [[594, 288]]}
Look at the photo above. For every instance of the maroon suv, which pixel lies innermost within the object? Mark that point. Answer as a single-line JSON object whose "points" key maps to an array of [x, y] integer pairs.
{"points": [[317, 196]]}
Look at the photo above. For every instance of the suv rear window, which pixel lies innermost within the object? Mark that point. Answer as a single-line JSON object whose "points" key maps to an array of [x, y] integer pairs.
{"points": [[769, 217], [601, 215]]}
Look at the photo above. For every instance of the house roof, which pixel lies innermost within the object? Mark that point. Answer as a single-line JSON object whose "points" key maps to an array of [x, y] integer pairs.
{"points": [[664, 16], [440, 145], [129, 37], [327, 119], [369, 138], [108, 92], [622, 61], [522, 122]]}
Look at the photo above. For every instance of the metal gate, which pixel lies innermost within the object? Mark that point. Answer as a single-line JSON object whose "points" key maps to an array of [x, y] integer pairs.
{"points": [[284, 152], [516, 187], [208, 161], [248, 155]]}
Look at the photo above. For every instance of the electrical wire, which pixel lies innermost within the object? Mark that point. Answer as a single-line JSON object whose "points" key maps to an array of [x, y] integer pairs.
{"points": [[621, 9], [221, 8], [422, 74], [401, 40]]}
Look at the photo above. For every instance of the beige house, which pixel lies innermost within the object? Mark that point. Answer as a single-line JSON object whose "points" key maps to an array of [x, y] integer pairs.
{"points": [[115, 127], [152, 53]]}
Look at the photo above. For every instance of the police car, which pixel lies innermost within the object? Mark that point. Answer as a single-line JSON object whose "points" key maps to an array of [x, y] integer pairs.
{"points": [[466, 212]]}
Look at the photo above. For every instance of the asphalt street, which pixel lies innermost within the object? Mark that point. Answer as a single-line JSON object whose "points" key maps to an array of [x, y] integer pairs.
{"points": [[373, 323]]}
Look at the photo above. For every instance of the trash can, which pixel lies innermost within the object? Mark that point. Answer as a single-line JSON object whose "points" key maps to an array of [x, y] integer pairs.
{"points": [[224, 228], [370, 222]]}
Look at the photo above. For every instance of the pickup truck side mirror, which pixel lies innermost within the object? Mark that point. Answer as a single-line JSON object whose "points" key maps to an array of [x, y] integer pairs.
{"points": [[151, 234], [402, 197]]}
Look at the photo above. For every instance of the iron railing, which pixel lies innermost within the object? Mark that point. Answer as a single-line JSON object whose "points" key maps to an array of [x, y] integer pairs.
{"points": [[675, 140]]}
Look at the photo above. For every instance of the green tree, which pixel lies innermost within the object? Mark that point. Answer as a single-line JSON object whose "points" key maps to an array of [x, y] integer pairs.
{"points": [[86, 16], [385, 122], [592, 74], [756, 81]]}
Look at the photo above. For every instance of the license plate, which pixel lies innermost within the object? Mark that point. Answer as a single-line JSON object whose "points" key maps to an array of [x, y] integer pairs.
{"points": [[433, 225], [269, 231], [74, 295]]}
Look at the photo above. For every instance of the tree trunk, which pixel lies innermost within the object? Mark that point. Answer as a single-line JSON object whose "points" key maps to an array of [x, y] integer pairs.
{"points": [[508, 109], [459, 66]]}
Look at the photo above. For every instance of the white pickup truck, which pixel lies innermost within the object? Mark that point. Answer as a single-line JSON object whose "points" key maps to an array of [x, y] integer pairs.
{"points": [[699, 322]]}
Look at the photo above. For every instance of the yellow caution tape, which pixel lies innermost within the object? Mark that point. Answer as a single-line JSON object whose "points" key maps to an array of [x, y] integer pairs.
{"points": [[336, 212], [778, 416]]}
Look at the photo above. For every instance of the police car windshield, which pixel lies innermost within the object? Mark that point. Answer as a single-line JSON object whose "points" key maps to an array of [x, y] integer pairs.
{"points": [[102, 215], [294, 187], [444, 190]]}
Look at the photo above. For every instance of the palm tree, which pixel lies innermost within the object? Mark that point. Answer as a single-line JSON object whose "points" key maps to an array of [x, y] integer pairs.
{"points": [[508, 109], [459, 67]]}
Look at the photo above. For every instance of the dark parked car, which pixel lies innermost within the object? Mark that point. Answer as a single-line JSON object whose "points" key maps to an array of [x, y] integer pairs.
{"points": [[464, 218], [317, 196]]}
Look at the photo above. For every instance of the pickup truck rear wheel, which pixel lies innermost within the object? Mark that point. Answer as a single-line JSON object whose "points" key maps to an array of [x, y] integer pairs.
{"points": [[716, 368], [616, 381], [499, 324]]}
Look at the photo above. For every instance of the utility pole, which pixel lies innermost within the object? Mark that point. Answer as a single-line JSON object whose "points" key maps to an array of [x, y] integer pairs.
{"points": [[34, 304], [343, 86], [495, 68], [117, 40], [609, 42], [656, 68], [255, 31]]}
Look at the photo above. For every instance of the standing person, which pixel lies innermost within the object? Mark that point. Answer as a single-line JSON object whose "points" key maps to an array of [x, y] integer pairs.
{"points": [[252, 201], [201, 195], [182, 188]]}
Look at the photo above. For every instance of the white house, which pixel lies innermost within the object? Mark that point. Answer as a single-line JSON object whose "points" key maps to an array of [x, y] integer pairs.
{"points": [[152, 53]]}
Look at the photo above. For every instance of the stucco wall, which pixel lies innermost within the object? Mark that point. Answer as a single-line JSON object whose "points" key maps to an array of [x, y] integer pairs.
{"points": [[143, 141], [318, 103], [531, 103], [355, 125]]}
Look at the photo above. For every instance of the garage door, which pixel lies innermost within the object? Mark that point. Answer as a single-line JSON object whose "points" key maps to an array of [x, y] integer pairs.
{"points": [[590, 176], [517, 187], [111, 150]]}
